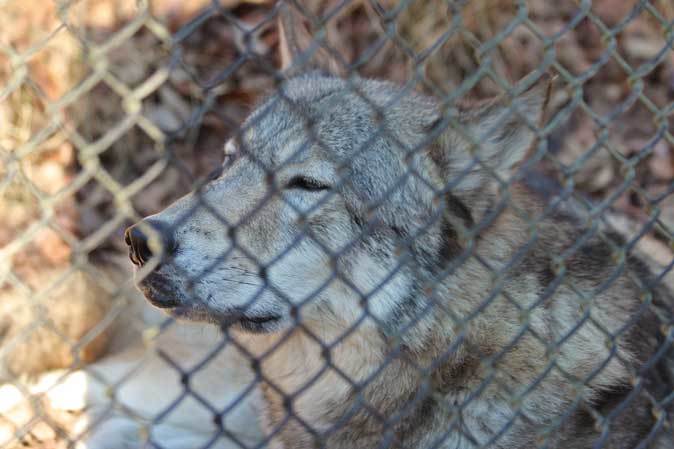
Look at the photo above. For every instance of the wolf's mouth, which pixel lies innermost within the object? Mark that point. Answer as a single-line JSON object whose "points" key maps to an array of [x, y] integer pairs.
{"points": [[259, 323], [178, 310], [260, 319], [197, 313], [255, 324], [167, 299]]}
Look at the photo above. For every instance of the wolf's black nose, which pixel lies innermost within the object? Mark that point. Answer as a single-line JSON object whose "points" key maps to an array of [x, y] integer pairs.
{"points": [[137, 240]]}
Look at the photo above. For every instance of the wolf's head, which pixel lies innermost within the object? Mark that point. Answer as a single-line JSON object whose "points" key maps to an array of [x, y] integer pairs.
{"points": [[338, 195]]}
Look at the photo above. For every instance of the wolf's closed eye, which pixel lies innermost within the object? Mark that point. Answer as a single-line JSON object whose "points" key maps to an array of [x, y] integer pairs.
{"points": [[306, 183], [215, 174]]}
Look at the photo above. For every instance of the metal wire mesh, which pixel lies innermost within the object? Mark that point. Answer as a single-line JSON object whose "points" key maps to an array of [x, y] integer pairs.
{"points": [[448, 314]]}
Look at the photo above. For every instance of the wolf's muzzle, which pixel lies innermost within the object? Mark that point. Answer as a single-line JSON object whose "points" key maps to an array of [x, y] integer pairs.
{"points": [[138, 241]]}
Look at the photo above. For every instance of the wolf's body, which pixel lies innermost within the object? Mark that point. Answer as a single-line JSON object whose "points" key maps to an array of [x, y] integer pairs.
{"points": [[398, 293]]}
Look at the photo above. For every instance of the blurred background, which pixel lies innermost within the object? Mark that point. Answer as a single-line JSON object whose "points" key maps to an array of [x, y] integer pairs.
{"points": [[105, 103]]}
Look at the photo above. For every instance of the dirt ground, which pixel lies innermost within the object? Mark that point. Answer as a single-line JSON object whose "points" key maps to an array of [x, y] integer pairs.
{"points": [[73, 146]]}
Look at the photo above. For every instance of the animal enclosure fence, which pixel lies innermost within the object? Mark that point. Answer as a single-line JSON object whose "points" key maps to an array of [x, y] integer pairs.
{"points": [[110, 110]]}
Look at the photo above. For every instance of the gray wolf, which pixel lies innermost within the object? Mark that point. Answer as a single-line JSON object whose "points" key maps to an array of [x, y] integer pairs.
{"points": [[397, 288]]}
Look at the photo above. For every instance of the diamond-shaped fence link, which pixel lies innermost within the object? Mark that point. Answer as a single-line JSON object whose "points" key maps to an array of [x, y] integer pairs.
{"points": [[412, 224]]}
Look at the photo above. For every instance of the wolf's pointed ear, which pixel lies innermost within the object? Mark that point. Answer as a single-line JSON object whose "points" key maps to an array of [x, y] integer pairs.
{"points": [[497, 132], [300, 51]]}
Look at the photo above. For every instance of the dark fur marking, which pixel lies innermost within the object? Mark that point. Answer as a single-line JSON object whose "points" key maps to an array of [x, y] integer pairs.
{"points": [[539, 263], [640, 269], [406, 310], [449, 375], [458, 209], [608, 399], [596, 257], [509, 130], [616, 238], [401, 233], [437, 155], [420, 410], [355, 218], [450, 247], [591, 260], [420, 418], [545, 274]]}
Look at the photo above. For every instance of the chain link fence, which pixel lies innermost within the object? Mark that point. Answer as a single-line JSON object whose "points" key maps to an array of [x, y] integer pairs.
{"points": [[370, 287]]}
